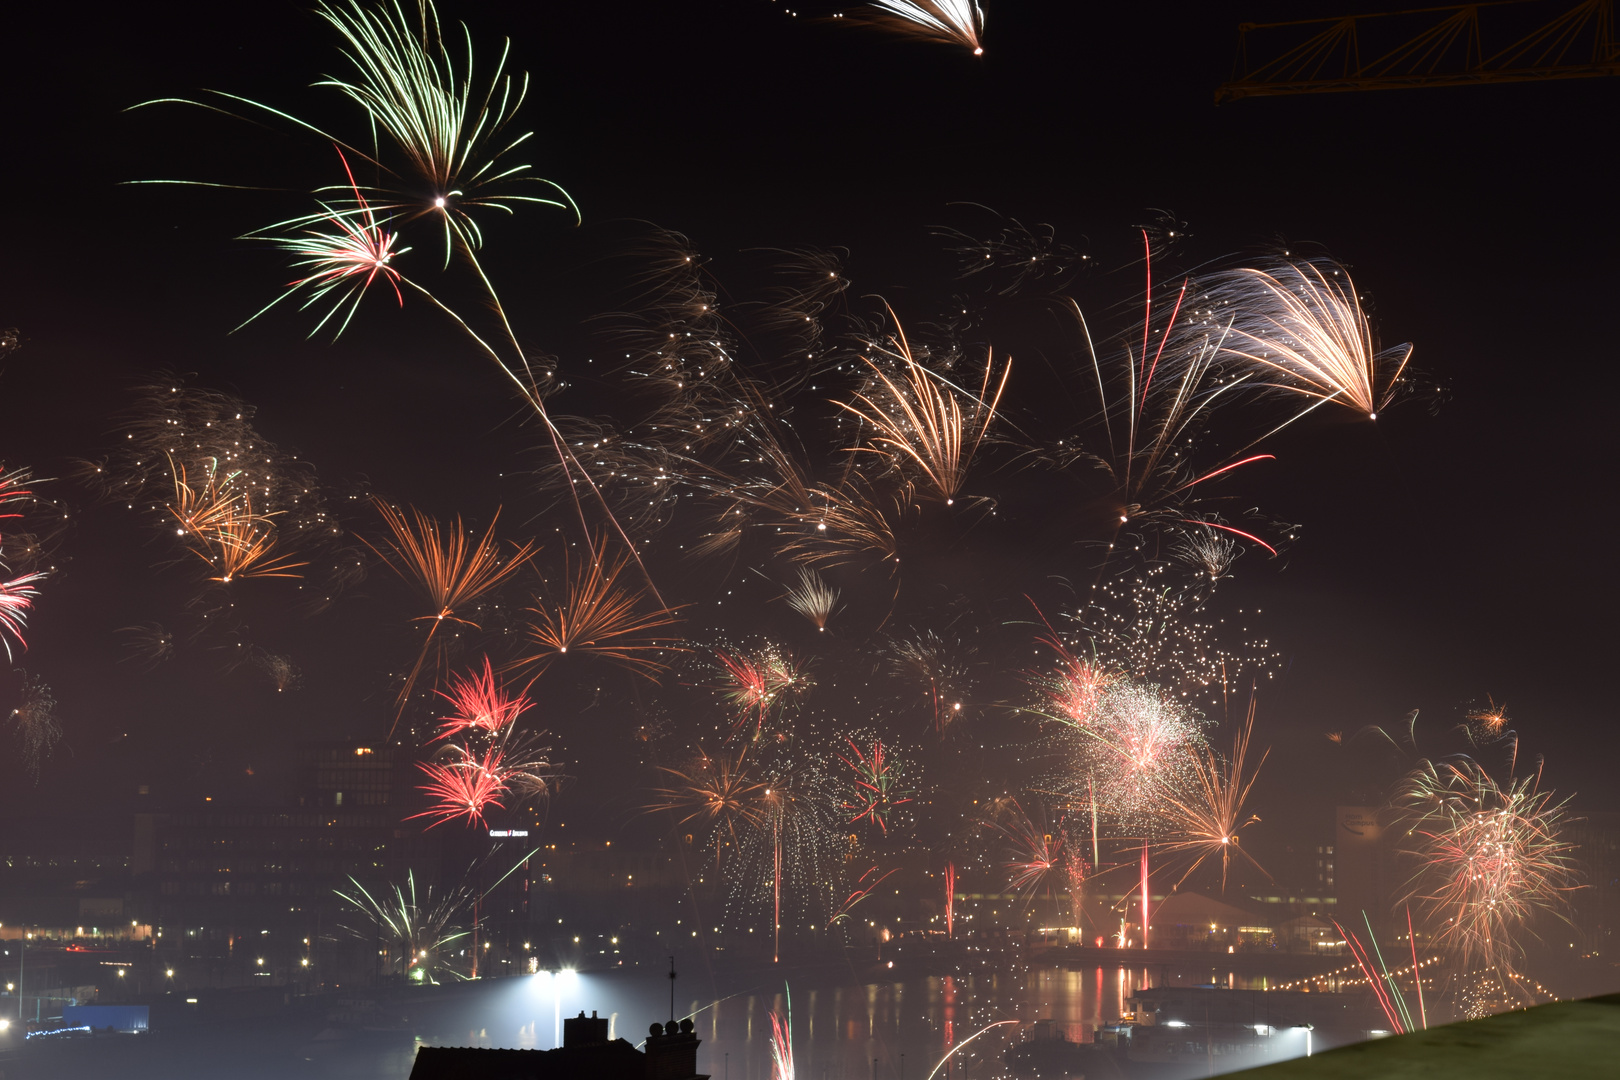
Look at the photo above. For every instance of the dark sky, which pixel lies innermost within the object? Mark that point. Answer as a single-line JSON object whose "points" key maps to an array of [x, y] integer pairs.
{"points": [[1444, 556]]}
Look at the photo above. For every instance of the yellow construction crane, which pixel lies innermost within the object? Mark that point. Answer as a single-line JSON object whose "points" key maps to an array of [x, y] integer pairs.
{"points": [[1460, 45]]}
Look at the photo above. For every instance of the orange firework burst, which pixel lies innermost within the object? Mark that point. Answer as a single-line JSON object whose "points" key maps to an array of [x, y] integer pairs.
{"points": [[242, 545], [1206, 817], [220, 526], [1491, 720], [451, 570], [202, 510], [717, 792], [602, 615]]}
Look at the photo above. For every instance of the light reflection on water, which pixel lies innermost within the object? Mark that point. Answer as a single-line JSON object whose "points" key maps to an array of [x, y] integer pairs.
{"points": [[843, 1029], [862, 1032]]}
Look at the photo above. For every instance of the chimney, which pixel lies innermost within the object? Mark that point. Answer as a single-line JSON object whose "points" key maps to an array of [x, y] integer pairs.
{"points": [[581, 1031], [672, 1052]]}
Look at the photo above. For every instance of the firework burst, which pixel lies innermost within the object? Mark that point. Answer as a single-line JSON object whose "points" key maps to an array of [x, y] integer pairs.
{"points": [[1206, 818], [464, 788], [877, 786], [924, 426], [1142, 742], [1033, 851], [36, 725], [951, 22], [418, 930], [343, 255], [937, 666], [602, 615], [760, 683], [17, 598], [478, 702], [241, 545], [1489, 856], [1156, 396], [451, 570], [813, 598], [1209, 551], [1299, 323], [453, 131], [1071, 692], [719, 793]]}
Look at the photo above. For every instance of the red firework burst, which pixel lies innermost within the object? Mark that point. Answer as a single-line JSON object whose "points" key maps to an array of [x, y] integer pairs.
{"points": [[479, 701], [464, 788]]}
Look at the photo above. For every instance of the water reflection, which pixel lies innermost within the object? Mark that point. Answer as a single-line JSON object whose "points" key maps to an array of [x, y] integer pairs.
{"points": [[871, 1032]]}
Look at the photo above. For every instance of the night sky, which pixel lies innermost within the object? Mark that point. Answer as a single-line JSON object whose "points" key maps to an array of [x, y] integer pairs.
{"points": [[1445, 554]]}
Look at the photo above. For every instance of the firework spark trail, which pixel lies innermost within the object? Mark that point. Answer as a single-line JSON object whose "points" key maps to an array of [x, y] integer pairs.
{"points": [[955, 1049], [1382, 988], [1206, 818], [876, 788], [782, 1042], [1300, 323], [922, 423], [1417, 971], [451, 572], [1489, 856], [951, 22], [863, 890], [950, 900], [601, 615]]}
